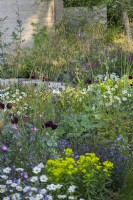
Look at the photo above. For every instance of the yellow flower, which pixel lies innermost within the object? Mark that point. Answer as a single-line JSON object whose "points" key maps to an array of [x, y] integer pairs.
{"points": [[68, 152], [108, 165]]}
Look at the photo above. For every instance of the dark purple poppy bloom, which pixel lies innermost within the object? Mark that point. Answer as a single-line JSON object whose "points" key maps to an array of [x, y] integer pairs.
{"points": [[89, 81], [48, 124], [9, 105], [130, 59], [14, 120], [130, 77], [131, 85], [54, 126], [2, 106]]}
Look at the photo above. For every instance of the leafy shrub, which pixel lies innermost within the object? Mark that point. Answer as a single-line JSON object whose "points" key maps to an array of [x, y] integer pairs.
{"points": [[118, 152], [86, 172]]}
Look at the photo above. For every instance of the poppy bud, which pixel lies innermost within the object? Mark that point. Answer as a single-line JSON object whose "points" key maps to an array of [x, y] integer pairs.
{"points": [[2, 106], [14, 120], [44, 79], [130, 77], [54, 126], [89, 81], [9, 105]]}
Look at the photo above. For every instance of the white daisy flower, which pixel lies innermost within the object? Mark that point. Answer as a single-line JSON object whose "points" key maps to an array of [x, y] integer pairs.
{"points": [[34, 189], [43, 178], [58, 186], [36, 170], [13, 184], [7, 170], [124, 92], [6, 198], [26, 188], [50, 197], [40, 165], [38, 196], [124, 99], [62, 196], [20, 169], [19, 188], [2, 190], [9, 182], [71, 189], [43, 191], [71, 197], [34, 179], [4, 177], [51, 187]]}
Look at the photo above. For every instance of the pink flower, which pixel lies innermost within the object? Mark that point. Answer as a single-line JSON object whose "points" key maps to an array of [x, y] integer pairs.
{"points": [[84, 66], [34, 129], [14, 126], [92, 65], [25, 175], [4, 148]]}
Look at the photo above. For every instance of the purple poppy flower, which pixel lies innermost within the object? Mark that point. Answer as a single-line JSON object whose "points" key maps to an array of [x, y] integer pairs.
{"points": [[2, 106], [89, 81], [130, 59], [54, 126], [14, 120], [9, 105], [48, 124], [130, 77]]}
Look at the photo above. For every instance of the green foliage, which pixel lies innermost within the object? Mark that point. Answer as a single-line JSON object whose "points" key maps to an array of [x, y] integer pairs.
{"points": [[90, 176], [89, 3]]}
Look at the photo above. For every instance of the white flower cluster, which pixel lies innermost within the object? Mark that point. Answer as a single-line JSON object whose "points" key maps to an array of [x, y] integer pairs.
{"points": [[107, 76], [32, 188], [16, 98]]}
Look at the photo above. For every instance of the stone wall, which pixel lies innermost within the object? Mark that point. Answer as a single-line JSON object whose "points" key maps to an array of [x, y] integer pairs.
{"points": [[77, 15], [45, 13], [29, 12]]}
